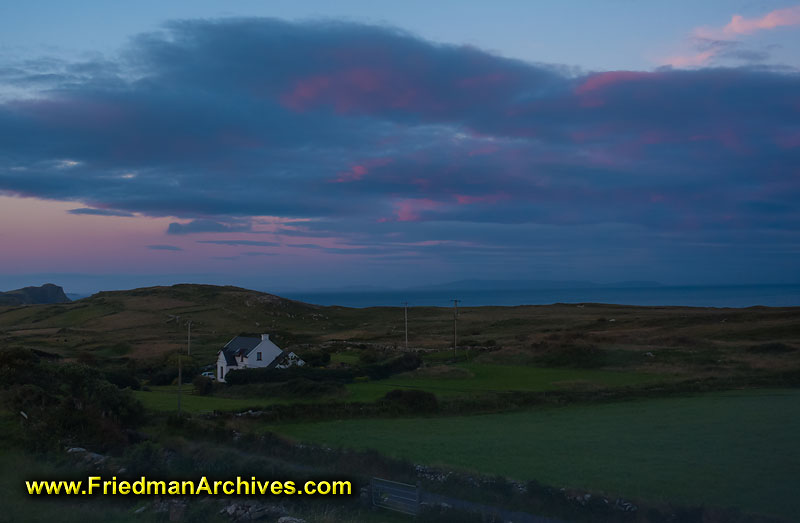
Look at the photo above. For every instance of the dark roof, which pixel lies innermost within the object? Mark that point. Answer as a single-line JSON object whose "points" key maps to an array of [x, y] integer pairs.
{"points": [[238, 345], [278, 360]]}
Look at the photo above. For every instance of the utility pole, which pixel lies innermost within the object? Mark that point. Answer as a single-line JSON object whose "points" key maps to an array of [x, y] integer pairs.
{"points": [[405, 314], [189, 340], [455, 326]]}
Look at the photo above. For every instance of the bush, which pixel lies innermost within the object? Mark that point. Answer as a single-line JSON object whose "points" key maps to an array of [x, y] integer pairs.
{"points": [[407, 362], [317, 358], [145, 458], [66, 404], [412, 401], [203, 385], [303, 388], [245, 376], [123, 379]]}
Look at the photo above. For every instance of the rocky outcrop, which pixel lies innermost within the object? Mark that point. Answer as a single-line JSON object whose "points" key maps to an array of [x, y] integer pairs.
{"points": [[47, 293]]}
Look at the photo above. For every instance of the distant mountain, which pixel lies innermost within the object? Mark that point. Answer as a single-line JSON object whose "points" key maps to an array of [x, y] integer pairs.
{"points": [[47, 293]]}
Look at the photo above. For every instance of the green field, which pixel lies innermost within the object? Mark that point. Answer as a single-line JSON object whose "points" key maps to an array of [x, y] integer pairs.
{"points": [[165, 399], [473, 379], [483, 378], [734, 449]]}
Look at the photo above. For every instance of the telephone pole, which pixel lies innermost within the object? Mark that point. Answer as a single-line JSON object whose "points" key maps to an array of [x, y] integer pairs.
{"points": [[405, 314], [455, 326], [189, 339]]}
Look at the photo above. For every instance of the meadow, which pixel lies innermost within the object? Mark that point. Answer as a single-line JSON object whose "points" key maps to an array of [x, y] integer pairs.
{"points": [[472, 379], [721, 449], [452, 381]]}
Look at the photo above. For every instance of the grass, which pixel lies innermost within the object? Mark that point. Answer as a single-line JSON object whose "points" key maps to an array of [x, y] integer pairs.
{"points": [[485, 378], [734, 449], [477, 379]]}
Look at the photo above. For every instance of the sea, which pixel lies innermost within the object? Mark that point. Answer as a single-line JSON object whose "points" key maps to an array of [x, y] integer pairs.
{"points": [[692, 296]]}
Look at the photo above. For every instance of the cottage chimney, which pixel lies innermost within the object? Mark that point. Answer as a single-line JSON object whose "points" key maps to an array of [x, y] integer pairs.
{"points": [[265, 337]]}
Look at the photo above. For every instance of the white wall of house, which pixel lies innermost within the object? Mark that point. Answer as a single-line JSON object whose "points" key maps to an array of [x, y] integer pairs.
{"points": [[222, 367], [261, 356]]}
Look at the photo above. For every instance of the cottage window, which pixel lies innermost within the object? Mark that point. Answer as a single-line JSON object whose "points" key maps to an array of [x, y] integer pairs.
{"points": [[258, 356]]}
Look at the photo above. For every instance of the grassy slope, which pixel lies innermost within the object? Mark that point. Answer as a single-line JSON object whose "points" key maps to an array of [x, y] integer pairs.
{"points": [[139, 325], [736, 449]]}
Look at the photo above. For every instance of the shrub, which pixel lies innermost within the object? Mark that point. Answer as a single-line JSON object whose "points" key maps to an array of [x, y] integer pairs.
{"points": [[145, 458], [407, 362], [203, 385], [317, 358], [303, 388], [244, 376], [66, 404], [123, 379], [412, 400], [368, 356]]}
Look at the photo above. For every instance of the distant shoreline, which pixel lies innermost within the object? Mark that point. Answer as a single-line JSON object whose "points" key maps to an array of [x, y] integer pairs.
{"points": [[737, 296]]}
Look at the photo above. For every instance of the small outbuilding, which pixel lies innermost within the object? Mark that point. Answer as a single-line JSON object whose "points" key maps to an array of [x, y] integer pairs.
{"points": [[246, 352]]}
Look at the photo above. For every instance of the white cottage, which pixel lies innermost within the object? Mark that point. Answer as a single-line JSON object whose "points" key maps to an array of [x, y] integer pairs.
{"points": [[244, 352]]}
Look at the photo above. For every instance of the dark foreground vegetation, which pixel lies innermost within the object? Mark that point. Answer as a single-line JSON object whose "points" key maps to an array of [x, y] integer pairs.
{"points": [[92, 385]]}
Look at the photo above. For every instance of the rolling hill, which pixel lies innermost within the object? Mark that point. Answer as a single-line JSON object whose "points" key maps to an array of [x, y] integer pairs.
{"points": [[142, 327]]}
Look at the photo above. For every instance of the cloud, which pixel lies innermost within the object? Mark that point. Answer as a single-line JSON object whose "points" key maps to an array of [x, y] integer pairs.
{"points": [[367, 140], [251, 243], [164, 248], [99, 212], [740, 25], [717, 43], [199, 226]]}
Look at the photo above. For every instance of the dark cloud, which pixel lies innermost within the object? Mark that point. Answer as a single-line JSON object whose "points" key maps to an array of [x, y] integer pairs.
{"points": [[198, 226], [387, 140], [164, 248], [99, 212]]}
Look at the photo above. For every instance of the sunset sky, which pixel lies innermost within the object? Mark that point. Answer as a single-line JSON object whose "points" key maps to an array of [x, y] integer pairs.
{"points": [[279, 145]]}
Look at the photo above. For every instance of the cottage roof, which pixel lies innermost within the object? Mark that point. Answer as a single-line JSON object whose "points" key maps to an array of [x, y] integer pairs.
{"points": [[238, 345]]}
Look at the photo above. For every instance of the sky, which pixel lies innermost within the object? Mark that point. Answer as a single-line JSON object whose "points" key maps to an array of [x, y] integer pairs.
{"points": [[298, 145]]}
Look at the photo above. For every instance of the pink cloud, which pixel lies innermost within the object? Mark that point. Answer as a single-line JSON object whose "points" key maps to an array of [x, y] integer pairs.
{"points": [[691, 60], [358, 89], [601, 80], [358, 171], [740, 25], [411, 209]]}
